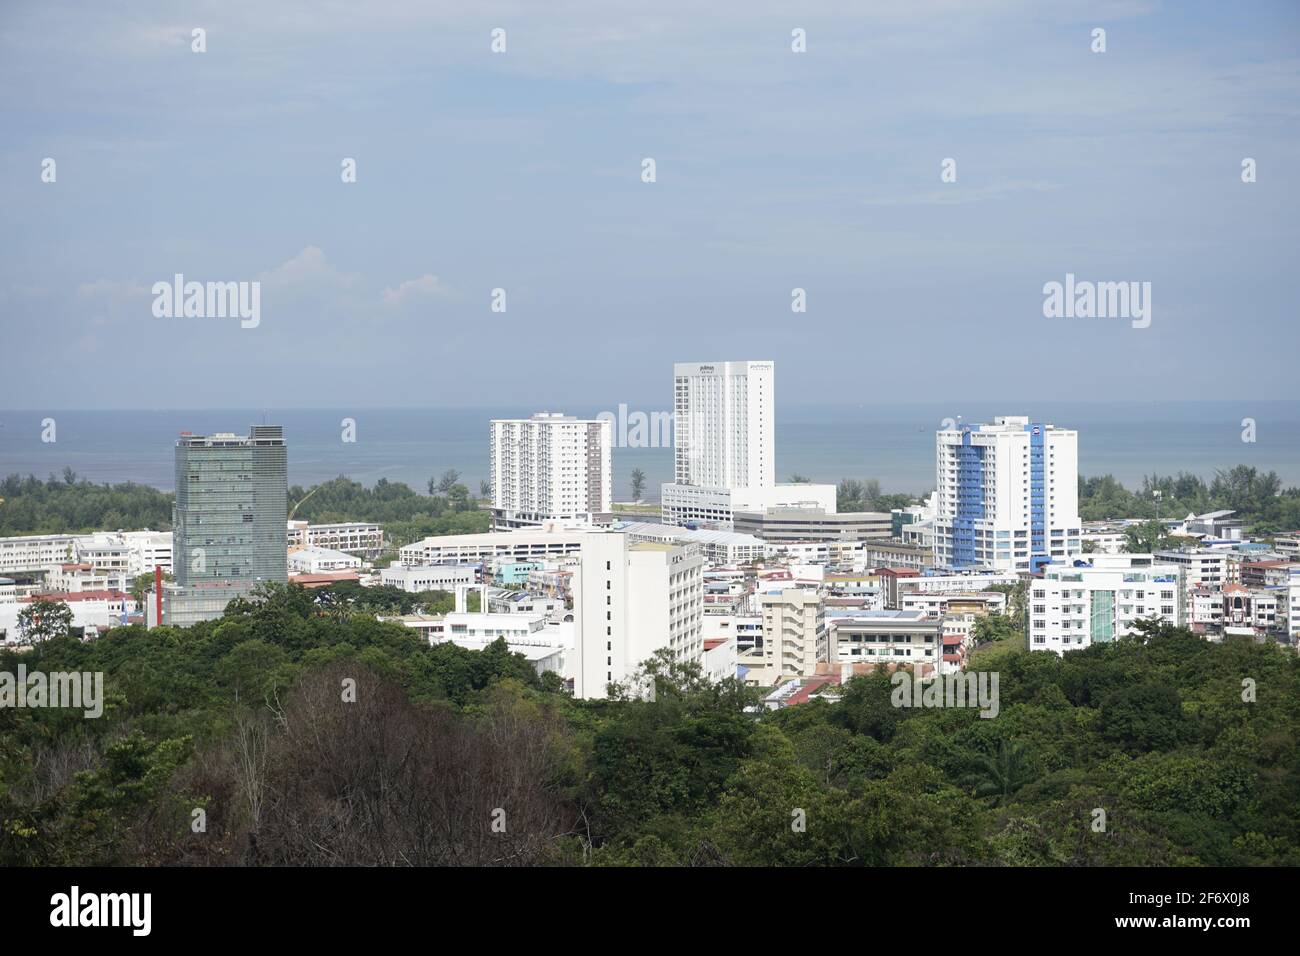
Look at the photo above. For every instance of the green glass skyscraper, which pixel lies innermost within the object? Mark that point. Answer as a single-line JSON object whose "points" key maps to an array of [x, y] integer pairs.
{"points": [[228, 524]]}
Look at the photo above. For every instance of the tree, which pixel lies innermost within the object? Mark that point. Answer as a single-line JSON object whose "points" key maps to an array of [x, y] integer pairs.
{"points": [[798, 479], [42, 620], [485, 489], [638, 484], [448, 481], [1002, 774]]}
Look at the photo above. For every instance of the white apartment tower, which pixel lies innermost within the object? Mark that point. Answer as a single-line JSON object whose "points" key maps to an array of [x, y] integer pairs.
{"points": [[631, 599], [1008, 495], [550, 468]]}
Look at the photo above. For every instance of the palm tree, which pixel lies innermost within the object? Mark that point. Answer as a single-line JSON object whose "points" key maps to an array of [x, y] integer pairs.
{"points": [[1002, 774]]}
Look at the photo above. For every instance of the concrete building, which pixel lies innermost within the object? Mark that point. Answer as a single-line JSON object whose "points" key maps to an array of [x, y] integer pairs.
{"points": [[717, 507], [34, 553], [1215, 524], [718, 547], [494, 547], [780, 525], [550, 468], [1078, 604], [631, 599], [1212, 568], [228, 520], [310, 559], [1254, 612], [879, 554], [1266, 574], [147, 550], [939, 604], [364, 539], [794, 637], [76, 578], [546, 645], [720, 656], [861, 642], [1008, 496], [429, 577], [904, 585], [92, 612], [724, 447]]}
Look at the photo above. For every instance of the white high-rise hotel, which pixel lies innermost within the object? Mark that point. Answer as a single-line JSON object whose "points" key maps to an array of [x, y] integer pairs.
{"points": [[724, 446], [550, 467], [1008, 495], [723, 414]]}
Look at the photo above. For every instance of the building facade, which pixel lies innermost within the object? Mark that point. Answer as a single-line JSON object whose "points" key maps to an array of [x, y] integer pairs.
{"points": [[1008, 495], [1076, 605], [550, 468], [631, 599], [229, 519]]}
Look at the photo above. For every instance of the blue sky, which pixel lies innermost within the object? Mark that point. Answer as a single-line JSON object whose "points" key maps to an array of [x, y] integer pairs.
{"points": [[522, 171]]}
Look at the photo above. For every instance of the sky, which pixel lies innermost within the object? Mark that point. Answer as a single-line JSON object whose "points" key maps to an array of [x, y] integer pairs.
{"points": [[523, 171]]}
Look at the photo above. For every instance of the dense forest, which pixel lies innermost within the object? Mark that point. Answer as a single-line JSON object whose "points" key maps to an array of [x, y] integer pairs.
{"points": [[72, 505], [310, 734]]}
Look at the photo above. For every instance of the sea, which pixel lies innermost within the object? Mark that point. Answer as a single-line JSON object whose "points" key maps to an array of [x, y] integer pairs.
{"points": [[892, 443]]}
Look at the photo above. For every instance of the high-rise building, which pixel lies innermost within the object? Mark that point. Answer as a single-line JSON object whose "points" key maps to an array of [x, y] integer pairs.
{"points": [[228, 520], [1008, 495], [550, 468], [723, 421], [631, 599], [724, 447]]}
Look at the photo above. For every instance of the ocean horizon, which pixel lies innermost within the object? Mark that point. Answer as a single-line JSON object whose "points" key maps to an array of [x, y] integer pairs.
{"points": [[893, 443]]}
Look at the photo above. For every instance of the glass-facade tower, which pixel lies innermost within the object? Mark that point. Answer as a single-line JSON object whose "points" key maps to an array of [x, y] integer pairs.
{"points": [[231, 506]]}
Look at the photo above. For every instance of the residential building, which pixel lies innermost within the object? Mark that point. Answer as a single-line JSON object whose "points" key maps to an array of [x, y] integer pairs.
{"points": [[1100, 598], [630, 600], [550, 468], [794, 635], [860, 642], [1007, 495]]}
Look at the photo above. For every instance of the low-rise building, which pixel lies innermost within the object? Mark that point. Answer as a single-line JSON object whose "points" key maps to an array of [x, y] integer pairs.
{"points": [[780, 525], [861, 642], [314, 560], [364, 539], [429, 577]]}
